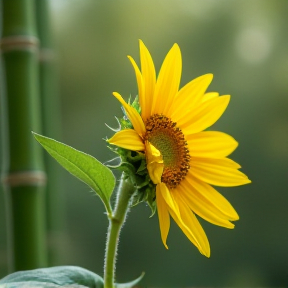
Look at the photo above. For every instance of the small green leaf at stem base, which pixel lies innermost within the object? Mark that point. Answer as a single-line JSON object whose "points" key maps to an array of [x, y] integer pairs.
{"points": [[130, 284], [61, 276], [83, 166]]}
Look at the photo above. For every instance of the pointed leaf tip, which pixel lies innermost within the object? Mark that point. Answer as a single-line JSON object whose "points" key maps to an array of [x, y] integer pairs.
{"points": [[130, 284]]}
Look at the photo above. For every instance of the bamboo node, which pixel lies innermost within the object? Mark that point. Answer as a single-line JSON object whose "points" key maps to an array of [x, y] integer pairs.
{"points": [[46, 55], [21, 42], [26, 178]]}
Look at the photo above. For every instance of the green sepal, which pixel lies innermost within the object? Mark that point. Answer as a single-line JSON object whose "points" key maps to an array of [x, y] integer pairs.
{"points": [[83, 166], [124, 122], [130, 284], [134, 165], [135, 104], [147, 194], [61, 276]]}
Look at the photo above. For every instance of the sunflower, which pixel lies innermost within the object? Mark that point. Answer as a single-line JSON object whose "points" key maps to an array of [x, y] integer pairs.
{"points": [[183, 159]]}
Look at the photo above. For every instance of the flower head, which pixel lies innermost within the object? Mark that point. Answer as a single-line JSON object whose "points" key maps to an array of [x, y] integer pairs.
{"points": [[183, 160]]}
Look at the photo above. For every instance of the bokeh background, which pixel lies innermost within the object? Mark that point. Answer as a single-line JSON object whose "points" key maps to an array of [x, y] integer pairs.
{"points": [[244, 44]]}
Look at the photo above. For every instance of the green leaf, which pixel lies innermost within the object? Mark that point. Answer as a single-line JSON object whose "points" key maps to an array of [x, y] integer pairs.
{"points": [[130, 284], [83, 166], [53, 277]]}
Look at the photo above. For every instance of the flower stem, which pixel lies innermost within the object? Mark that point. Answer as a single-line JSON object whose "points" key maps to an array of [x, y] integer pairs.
{"points": [[124, 194]]}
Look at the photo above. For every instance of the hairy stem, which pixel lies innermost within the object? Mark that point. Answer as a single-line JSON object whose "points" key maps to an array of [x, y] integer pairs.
{"points": [[124, 194]]}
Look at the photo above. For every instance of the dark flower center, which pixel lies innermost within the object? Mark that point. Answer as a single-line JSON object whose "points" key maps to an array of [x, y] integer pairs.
{"points": [[162, 133]]}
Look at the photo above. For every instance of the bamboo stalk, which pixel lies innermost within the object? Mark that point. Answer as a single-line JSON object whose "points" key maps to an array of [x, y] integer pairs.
{"points": [[24, 178], [51, 128]]}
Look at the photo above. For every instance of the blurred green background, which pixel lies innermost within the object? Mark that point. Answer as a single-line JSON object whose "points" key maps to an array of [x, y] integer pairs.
{"points": [[244, 44]]}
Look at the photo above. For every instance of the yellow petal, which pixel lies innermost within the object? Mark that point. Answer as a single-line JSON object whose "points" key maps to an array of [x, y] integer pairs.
{"points": [[167, 82], [211, 144], [219, 172], [204, 116], [163, 215], [166, 194], [128, 139], [190, 96], [140, 82], [191, 227], [227, 162], [202, 208], [209, 96], [149, 80], [206, 194], [132, 114], [155, 164]]}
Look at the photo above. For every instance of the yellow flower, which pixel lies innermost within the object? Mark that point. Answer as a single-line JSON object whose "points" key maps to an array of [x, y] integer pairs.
{"points": [[183, 159]]}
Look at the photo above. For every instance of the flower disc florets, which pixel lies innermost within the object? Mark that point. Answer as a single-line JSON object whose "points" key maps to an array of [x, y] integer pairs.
{"points": [[162, 133]]}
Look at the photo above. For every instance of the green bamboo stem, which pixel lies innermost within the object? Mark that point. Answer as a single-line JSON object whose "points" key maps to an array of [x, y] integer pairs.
{"points": [[23, 176], [124, 194], [51, 128]]}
